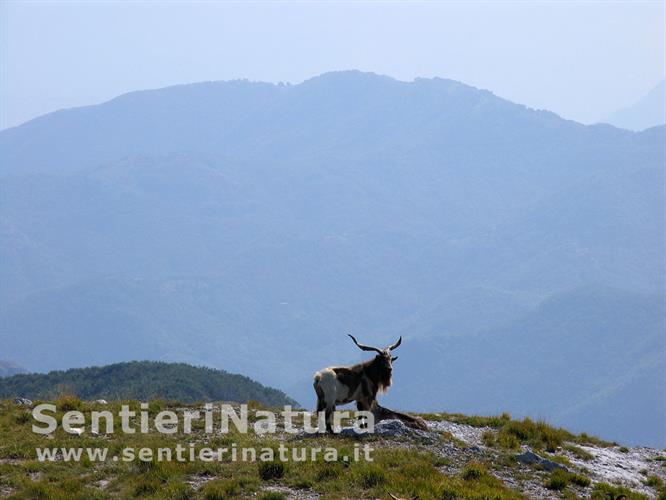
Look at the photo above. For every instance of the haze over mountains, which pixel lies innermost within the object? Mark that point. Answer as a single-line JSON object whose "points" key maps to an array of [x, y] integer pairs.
{"points": [[649, 111], [7, 368], [250, 226]]}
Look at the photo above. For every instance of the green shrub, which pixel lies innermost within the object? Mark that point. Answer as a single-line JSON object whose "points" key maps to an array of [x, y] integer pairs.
{"points": [[579, 480], [67, 402], [605, 491], [583, 438], [539, 434], [521, 430], [558, 480], [488, 438], [511, 433], [560, 459], [508, 441], [578, 452], [272, 495], [473, 471], [654, 482]]}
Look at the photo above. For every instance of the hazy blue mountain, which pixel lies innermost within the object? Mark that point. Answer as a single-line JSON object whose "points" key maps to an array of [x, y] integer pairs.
{"points": [[249, 226], [7, 368], [142, 380], [649, 111], [589, 358]]}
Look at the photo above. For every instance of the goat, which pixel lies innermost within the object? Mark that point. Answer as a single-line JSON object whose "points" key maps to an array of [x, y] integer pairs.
{"points": [[361, 383]]}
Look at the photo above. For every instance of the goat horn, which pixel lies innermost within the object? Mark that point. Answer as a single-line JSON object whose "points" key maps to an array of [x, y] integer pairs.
{"points": [[364, 347], [390, 348]]}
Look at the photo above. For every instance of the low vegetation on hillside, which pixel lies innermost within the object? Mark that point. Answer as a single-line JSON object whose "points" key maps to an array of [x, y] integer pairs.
{"points": [[442, 463]]}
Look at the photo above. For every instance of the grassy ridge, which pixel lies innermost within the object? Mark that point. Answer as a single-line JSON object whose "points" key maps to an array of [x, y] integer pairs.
{"points": [[404, 472], [439, 470], [143, 380]]}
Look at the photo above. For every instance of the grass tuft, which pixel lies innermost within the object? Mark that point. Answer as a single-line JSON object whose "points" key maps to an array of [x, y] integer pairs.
{"points": [[371, 476], [578, 452], [271, 470], [273, 495], [68, 402], [473, 471], [559, 479], [605, 491]]}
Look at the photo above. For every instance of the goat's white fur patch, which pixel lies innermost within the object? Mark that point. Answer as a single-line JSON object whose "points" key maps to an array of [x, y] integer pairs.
{"points": [[334, 391]]}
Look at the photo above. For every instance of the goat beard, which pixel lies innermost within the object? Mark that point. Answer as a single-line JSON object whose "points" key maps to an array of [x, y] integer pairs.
{"points": [[384, 385]]}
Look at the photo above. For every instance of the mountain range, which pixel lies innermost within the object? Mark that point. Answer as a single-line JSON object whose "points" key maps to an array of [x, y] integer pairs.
{"points": [[250, 226]]}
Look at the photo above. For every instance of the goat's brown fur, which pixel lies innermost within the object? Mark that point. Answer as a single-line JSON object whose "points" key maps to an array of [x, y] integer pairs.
{"points": [[361, 383]]}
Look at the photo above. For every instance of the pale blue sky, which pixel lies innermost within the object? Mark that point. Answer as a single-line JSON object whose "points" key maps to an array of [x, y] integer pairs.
{"points": [[582, 60]]}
